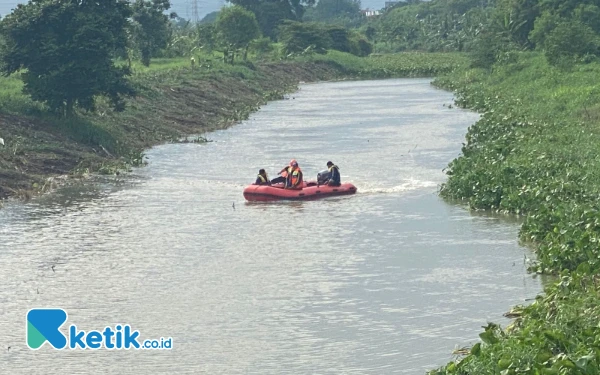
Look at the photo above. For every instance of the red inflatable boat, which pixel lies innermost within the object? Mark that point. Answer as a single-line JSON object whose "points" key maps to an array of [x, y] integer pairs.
{"points": [[309, 191]]}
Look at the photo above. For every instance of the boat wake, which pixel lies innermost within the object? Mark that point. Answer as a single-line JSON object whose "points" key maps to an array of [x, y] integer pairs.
{"points": [[407, 185]]}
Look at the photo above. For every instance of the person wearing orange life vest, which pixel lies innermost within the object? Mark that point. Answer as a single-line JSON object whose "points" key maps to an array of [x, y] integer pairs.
{"points": [[284, 174], [295, 177]]}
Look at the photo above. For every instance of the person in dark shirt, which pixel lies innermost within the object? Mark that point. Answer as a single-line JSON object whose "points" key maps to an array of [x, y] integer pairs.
{"points": [[262, 178], [335, 178]]}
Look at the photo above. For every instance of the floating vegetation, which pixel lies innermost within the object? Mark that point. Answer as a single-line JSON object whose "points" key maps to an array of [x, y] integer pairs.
{"points": [[198, 139], [534, 153]]}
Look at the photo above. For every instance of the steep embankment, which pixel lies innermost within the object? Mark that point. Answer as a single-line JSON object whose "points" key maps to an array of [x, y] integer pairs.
{"points": [[170, 104], [173, 100], [535, 152]]}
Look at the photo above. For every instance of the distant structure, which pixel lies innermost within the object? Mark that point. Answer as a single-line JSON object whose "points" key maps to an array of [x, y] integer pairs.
{"points": [[195, 16], [370, 13]]}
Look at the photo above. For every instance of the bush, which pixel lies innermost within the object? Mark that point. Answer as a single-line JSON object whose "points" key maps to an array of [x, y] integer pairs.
{"points": [[569, 42], [339, 38], [361, 46], [297, 37], [262, 46], [485, 51]]}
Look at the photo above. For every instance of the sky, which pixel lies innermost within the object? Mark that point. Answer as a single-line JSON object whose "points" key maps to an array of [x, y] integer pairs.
{"points": [[184, 7], [181, 7]]}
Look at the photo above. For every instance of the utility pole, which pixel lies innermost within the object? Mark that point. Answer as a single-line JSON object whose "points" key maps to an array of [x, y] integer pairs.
{"points": [[195, 16]]}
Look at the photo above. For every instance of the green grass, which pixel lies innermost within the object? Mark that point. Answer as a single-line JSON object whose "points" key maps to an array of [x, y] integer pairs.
{"points": [[535, 153]]}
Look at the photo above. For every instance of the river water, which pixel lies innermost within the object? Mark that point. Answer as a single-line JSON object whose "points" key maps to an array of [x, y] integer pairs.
{"points": [[387, 281]]}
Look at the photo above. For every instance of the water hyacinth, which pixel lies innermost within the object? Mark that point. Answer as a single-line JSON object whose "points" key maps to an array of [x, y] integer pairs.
{"points": [[534, 153]]}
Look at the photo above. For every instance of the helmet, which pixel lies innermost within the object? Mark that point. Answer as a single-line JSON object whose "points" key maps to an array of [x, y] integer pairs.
{"points": [[293, 162], [329, 164]]}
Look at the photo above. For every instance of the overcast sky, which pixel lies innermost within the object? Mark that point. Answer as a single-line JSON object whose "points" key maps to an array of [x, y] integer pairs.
{"points": [[184, 7]]}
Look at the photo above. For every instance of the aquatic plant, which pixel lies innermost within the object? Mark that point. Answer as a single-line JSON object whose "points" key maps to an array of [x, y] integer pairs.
{"points": [[557, 334], [534, 153]]}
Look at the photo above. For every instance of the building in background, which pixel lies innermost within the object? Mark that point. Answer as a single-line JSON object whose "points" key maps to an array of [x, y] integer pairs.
{"points": [[370, 13]]}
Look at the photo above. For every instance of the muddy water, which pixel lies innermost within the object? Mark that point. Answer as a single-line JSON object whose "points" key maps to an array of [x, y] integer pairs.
{"points": [[387, 281]]}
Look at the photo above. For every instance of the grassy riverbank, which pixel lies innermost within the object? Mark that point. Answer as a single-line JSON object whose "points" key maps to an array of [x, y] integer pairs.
{"points": [[173, 101], [535, 152]]}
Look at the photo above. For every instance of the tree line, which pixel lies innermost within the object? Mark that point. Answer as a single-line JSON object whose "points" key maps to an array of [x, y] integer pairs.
{"points": [[66, 50], [566, 31], [69, 52]]}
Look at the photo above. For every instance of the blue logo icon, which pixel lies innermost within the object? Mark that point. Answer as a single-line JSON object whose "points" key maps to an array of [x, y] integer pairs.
{"points": [[44, 325]]}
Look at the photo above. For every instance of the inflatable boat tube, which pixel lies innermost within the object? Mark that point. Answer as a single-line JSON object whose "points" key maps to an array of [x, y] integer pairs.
{"points": [[310, 190]]}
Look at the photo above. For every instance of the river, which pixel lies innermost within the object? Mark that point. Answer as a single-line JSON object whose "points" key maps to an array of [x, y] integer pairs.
{"points": [[389, 280]]}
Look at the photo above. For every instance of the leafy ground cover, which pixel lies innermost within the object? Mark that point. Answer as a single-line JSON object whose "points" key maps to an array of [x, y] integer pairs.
{"points": [[535, 153]]}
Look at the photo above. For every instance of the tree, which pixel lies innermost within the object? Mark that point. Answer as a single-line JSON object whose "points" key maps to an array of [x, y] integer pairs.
{"points": [[183, 39], [206, 36], [298, 37], [515, 19], [569, 41], [65, 50], [210, 17], [334, 10], [151, 27], [236, 27], [486, 50], [542, 28], [588, 14], [270, 13]]}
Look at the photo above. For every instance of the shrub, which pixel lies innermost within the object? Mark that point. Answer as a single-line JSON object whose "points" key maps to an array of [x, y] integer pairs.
{"points": [[570, 41]]}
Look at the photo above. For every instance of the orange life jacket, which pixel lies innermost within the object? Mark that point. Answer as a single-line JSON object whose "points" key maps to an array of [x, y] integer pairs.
{"points": [[287, 171], [296, 177]]}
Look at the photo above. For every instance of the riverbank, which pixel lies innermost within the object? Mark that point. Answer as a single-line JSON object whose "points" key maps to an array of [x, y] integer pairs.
{"points": [[174, 100], [535, 153], [410, 277]]}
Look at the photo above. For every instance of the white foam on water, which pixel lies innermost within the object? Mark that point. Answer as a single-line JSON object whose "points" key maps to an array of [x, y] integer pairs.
{"points": [[408, 185]]}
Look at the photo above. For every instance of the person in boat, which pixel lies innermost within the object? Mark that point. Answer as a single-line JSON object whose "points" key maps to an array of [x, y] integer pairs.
{"points": [[295, 177], [334, 175], [284, 174], [262, 178]]}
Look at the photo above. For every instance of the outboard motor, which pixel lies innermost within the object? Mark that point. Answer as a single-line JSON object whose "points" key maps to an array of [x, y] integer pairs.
{"points": [[323, 177]]}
